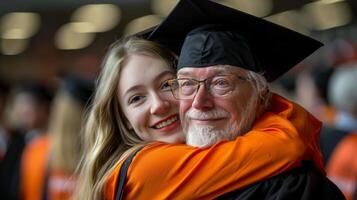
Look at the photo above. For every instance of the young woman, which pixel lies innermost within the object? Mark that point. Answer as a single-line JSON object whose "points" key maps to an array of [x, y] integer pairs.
{"points": [[133, 106]]}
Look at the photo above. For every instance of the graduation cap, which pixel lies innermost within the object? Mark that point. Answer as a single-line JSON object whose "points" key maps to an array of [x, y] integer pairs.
{"points": [[217, 34]]}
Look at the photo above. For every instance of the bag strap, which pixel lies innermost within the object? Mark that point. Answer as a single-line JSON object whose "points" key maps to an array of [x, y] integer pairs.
{"points": [[123, 173], [45, 186]]}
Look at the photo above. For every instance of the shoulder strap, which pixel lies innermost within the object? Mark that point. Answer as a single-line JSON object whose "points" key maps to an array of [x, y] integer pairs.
{"points": [[45, 186], [123, 173]]}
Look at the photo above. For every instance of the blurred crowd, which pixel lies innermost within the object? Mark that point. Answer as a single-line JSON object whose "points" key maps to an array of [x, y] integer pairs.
{"points": [[327, 87], [40, 134], [40, 126]]}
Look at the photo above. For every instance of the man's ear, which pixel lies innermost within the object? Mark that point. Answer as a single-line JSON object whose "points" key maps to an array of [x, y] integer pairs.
{"points": [[264, 94], [261, 104]]}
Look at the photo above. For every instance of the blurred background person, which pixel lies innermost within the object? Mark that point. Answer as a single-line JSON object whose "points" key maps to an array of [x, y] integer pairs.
{"points": [[30, 109], [11, 146], [342, 166], [26, 116], [312, 91], [49, 161], [343, 96], [3, 135], [27, 113]]}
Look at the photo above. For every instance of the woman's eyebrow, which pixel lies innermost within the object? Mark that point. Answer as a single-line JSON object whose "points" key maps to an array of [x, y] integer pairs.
{"points": [[131, 89], [137, 87], [164, 73]]}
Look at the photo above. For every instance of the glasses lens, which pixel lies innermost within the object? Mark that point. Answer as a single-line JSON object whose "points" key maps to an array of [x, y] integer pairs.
{"points": [[218, 86], [174, 87], [187, 87], [221, 85], [173, 83]]}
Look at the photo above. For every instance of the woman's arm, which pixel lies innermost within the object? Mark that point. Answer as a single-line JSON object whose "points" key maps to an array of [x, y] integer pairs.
{"points": [[164, 171]]}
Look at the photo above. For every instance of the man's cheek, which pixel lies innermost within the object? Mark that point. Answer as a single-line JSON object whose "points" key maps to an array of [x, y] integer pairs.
{"points": [[184, 107]]}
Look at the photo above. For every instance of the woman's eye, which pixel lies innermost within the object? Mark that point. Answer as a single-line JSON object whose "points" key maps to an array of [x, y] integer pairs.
{"points": [[135, 99], [165, 86]]}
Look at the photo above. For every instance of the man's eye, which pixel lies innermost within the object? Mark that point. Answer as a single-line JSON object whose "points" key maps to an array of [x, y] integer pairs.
{"points": [[221, 82], [186, 83], [135, 99]]}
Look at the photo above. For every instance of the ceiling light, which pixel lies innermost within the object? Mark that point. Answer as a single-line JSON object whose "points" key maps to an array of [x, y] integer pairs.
{"points": [[291, 19], [68, 38], [141, 23], [163, 7], [83, 27], [103, 17], [13, 46], [258, 8], [324, 16], [19, 25], [328, 1]]}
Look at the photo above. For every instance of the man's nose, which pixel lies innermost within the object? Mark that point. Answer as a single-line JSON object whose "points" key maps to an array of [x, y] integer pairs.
{"points": [[159, 105], [203, 100]]}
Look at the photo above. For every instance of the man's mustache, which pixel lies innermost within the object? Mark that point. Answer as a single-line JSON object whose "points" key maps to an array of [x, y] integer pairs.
{"points": [[217, 113]]}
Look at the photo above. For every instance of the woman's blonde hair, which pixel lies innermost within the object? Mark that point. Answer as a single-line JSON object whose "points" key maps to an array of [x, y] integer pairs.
{"points": [[65, 124], [107, 136]]}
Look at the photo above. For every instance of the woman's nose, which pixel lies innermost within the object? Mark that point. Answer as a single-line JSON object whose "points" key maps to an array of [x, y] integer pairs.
{"points": [[159, 105]]}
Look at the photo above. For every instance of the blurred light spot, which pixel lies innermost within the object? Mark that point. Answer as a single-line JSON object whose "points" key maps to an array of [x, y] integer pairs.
{"points": [[325, 16], [258, 8], [291, 19], [68, 38], [141, 24], [83, 27], [13, 46], [163, 7], [328, 1], [19, 25], [15, 33], [103, 17]]}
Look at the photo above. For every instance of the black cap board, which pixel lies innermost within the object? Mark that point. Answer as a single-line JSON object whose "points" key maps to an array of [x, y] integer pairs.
{"points": [[272, 49]]}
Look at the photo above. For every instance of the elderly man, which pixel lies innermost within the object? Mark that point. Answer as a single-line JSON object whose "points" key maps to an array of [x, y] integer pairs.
{"points": [[221, 97], [222, 100], [219, 100]]}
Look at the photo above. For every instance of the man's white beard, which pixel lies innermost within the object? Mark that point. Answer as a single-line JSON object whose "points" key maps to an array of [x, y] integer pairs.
{"points": [[204, 135]]}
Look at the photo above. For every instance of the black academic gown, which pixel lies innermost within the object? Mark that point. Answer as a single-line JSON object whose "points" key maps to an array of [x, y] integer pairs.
{"points": [[329, 139], [10, 168], [303, 183]]}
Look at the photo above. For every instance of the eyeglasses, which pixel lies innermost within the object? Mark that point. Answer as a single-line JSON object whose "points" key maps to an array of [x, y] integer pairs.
{"points": [[217, 86]]}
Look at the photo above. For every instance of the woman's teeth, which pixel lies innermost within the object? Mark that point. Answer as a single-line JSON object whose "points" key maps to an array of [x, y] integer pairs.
{"points": [[166, 123]]}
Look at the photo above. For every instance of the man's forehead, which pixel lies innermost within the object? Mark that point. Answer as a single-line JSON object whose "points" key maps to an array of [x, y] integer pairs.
{"points": [[215, 69]]}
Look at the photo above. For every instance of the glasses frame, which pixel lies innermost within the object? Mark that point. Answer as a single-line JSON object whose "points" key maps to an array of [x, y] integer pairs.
{"points": [[207, 85]]}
